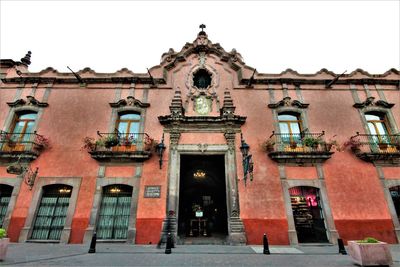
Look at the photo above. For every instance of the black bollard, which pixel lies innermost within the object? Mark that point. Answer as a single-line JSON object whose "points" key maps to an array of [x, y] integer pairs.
{"points": [[266, 246], [169, 244], [92, 248], [342, 250]]}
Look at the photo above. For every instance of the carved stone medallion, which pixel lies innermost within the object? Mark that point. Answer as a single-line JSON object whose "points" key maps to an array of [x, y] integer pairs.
{"points": [[202, 105]]}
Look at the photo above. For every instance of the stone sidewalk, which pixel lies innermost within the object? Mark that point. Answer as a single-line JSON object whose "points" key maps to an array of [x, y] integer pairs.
{"points": [[34, 254]]}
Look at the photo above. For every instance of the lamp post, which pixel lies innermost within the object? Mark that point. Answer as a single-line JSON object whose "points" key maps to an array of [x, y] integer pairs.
{"points": [[160, 147], [248, 164], [27, 174]]}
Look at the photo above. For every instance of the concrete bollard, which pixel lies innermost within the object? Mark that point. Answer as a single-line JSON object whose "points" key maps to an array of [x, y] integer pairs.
{"points": [[342, 250], [169, 244], [266, 246], [92, 248]]}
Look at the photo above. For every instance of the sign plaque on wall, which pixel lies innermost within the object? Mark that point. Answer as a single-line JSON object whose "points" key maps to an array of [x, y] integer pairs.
{"points": [[152, 191]]}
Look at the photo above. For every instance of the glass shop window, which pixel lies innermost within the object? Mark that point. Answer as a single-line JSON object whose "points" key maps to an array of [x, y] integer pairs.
{"points": [[5, 196]]}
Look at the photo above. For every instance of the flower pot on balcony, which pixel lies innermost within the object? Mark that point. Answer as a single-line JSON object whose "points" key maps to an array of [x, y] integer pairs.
{"points": [[3, 247], [293, 145], [370, 254], [328, 147], [383, 146]]}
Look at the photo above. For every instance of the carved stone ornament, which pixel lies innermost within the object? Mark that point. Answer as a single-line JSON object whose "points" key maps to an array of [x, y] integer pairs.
{"points": [[130, 101], [288, 102], [202, 104], [30, 101], [369, 102]]}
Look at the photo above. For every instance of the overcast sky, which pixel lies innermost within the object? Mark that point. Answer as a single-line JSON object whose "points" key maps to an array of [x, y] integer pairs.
{"points": [[271, 36]]}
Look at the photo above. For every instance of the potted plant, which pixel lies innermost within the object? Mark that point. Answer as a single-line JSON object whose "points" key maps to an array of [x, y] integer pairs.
{"points": [[268, 145], [354, 145], [370, 252], [383, 146], [110, 140], [42, 142], [293, 144], [89, 144], [331, 143], [4, 241], [149, 143], [311, 142]]}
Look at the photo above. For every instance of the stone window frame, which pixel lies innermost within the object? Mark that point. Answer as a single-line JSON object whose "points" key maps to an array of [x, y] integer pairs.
{"points": [[15, 183], [302, 115], [13, 112], [75, 182], [386, 112], [331, 232], [95, 211], [387, 184], [127, 109]]}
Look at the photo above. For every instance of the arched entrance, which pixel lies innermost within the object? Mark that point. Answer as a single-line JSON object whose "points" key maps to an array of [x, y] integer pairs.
{"points": [[202, 199], [307, 214], [52, 212], [395, 194], [5, 196], [113, 220]]}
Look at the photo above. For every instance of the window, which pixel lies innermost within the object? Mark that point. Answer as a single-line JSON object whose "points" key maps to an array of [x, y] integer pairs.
{"points": [[128, 125], [201, 79], [5, 195], [23, 127], [52, 212], [290, 127], [114, 212], [377, 126]]}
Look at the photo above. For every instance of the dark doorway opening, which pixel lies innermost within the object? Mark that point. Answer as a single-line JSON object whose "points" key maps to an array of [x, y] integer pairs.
{"points": [[202, 197], [308, 215]]}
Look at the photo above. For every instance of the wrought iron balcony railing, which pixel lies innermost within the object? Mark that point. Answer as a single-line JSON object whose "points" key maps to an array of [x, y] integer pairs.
{"points": [[28, 145], [375, 144], [121, 146], [299, 142], [298, 148]]}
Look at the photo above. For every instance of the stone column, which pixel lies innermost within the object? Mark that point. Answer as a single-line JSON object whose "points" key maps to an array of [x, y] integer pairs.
{"points": [[237, 235]]}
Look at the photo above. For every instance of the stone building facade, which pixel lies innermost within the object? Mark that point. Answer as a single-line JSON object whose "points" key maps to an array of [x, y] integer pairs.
{"points": [[202, 146]]}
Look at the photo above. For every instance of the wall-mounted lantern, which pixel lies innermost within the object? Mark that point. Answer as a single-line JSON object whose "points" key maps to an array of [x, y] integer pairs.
{"points": [[248, 163], [26, 172], [160, 147]]}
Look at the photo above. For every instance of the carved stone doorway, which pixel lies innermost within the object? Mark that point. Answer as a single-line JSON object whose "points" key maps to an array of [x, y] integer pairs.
{"points": [[202, 199]]}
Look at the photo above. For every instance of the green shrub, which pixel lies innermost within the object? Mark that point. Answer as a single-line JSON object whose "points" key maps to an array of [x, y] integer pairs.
{"points": [[368, 240], [3, 233]]}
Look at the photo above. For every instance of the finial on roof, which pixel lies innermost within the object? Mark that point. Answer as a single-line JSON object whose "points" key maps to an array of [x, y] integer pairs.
{"points": [[202, 27], [26, 60]]}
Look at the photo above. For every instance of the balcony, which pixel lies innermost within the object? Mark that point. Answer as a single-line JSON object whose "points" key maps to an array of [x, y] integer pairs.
{"points": [[26, 146], [378, 149], [120, 147], [300, 149]]}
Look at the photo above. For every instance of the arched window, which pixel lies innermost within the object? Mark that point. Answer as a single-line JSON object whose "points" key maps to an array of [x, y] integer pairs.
{"points": [[52, 212], [378, 127], [5, 196], [377, 123], [290, 127], [23, 126], [128, 125], [114, 212]]}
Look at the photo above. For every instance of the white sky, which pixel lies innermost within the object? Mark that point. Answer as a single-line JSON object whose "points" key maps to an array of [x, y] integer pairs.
{"points": [[271, 36]]}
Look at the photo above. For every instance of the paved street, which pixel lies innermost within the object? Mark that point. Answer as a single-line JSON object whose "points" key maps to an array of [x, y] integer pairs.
{"points": [[32, 254]]}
